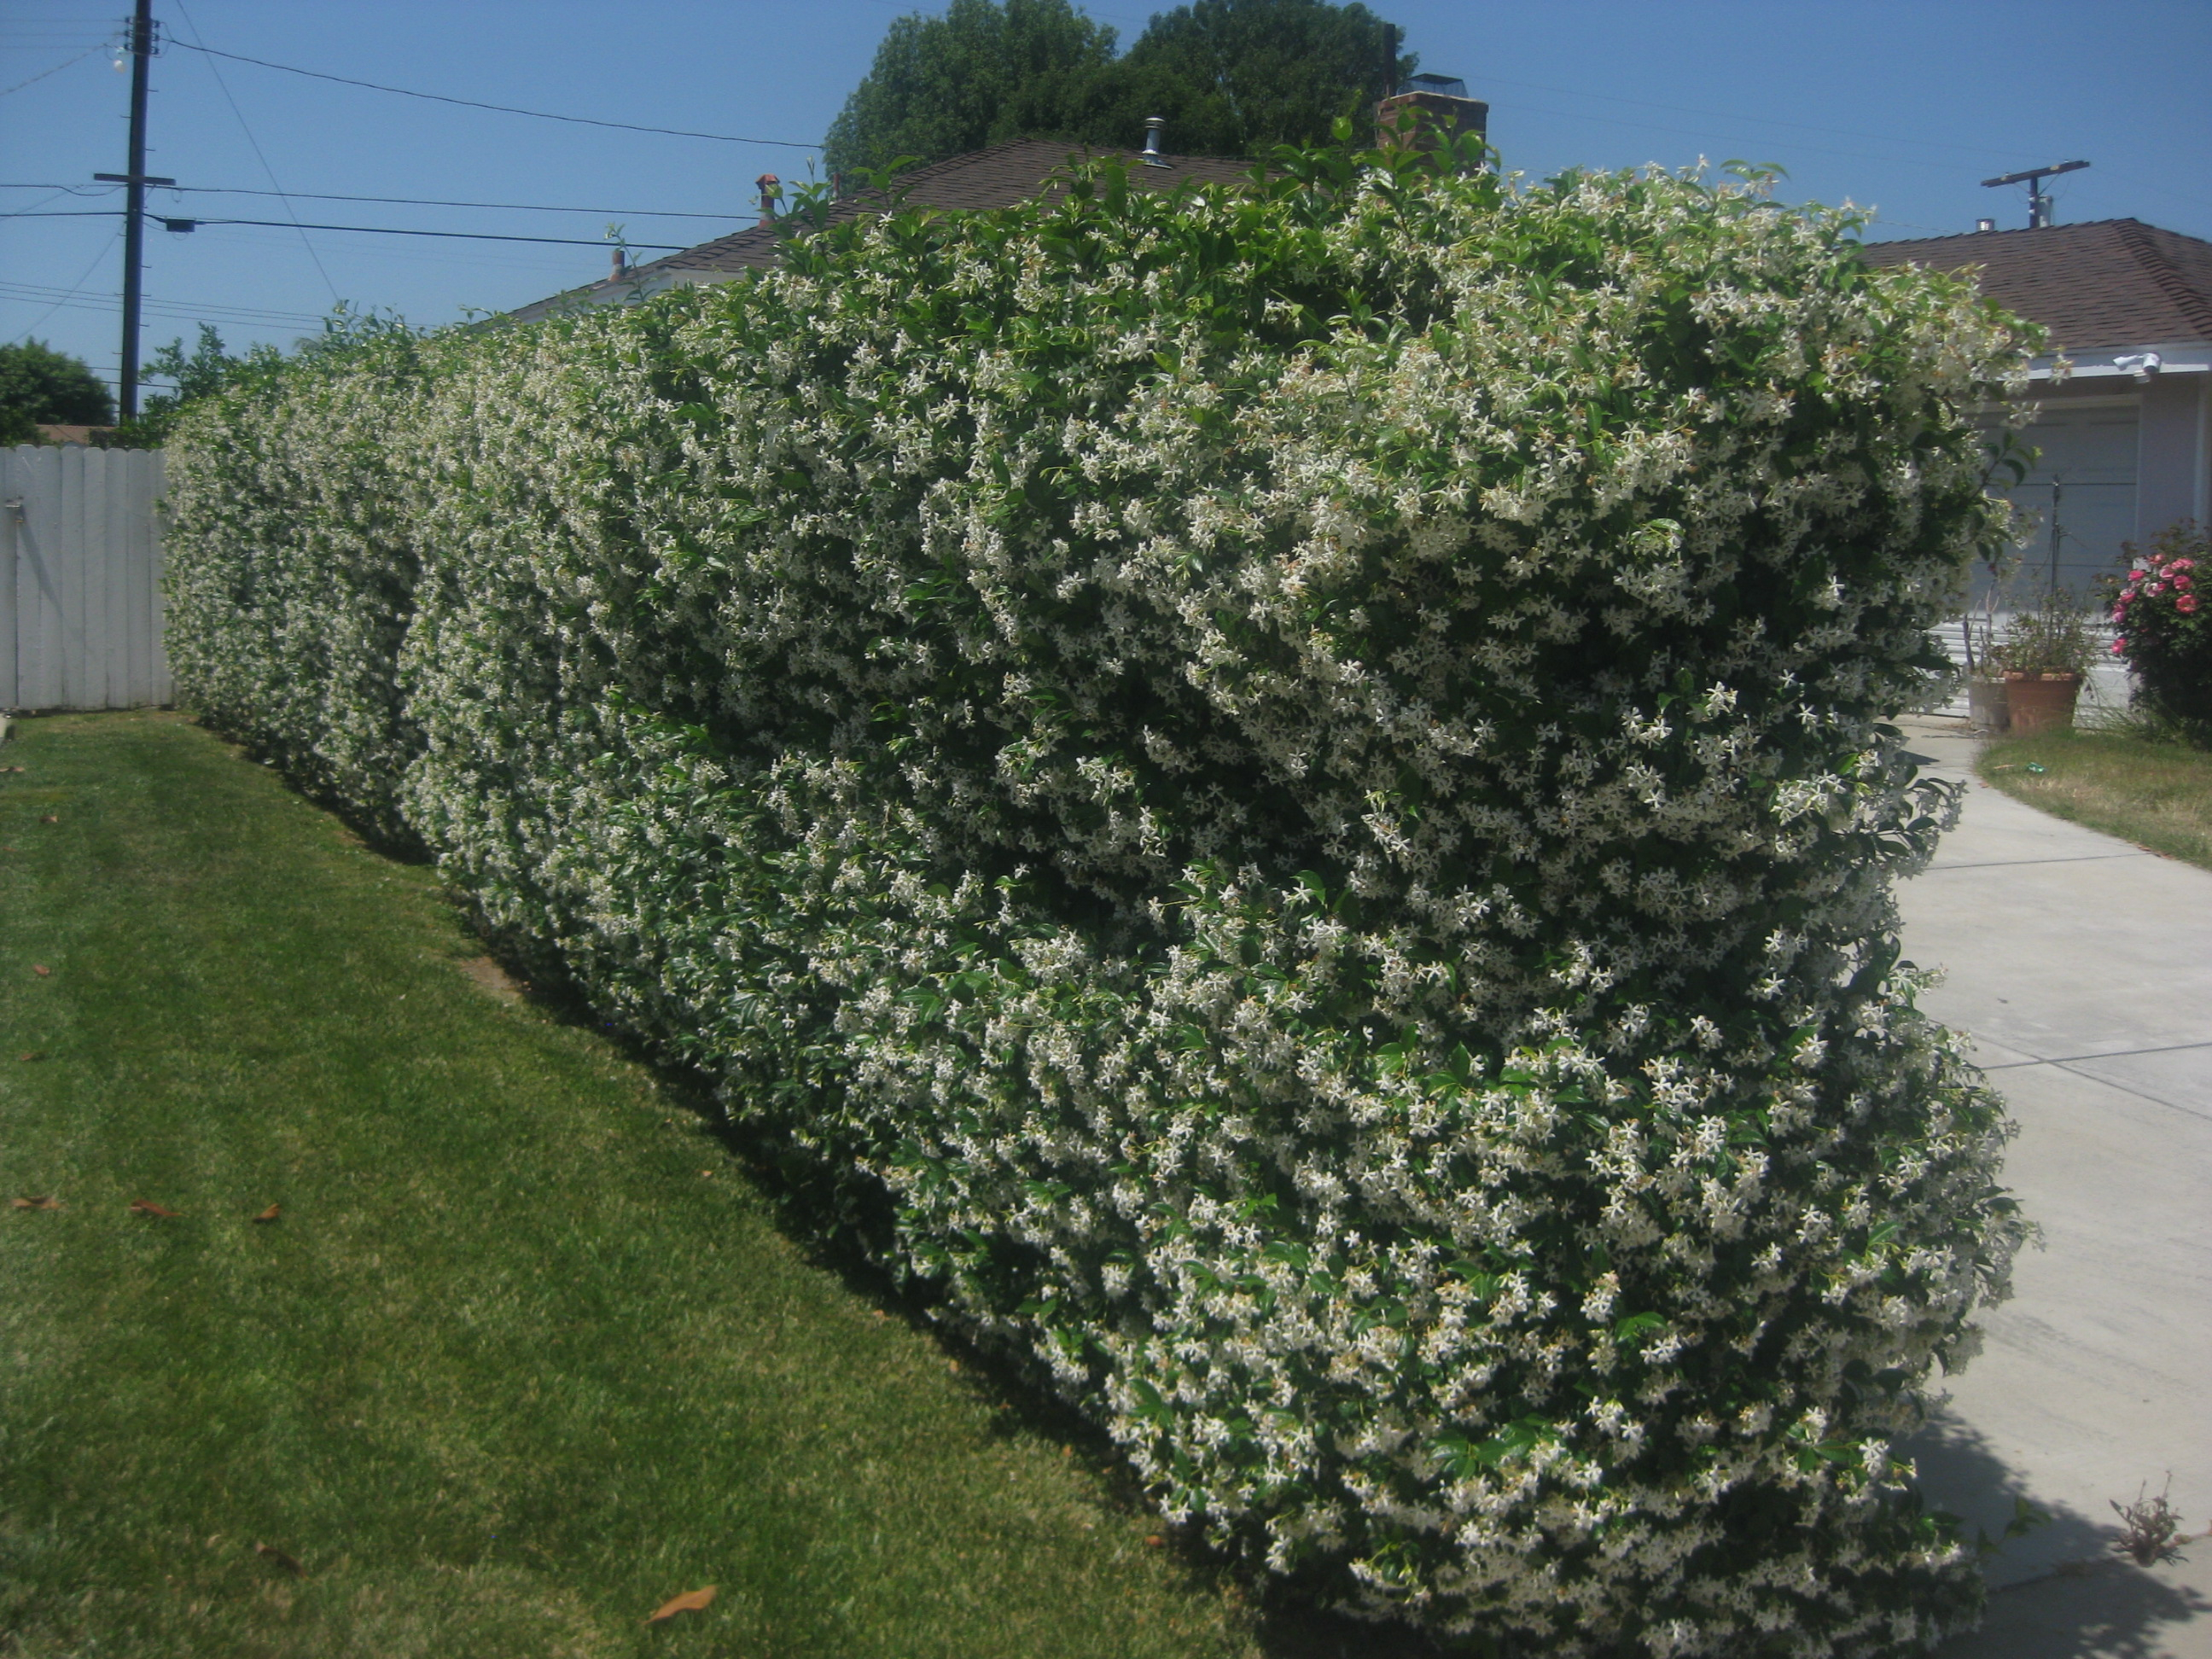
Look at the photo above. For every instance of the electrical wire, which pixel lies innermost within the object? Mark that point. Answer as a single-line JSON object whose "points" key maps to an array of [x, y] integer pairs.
{"points": [[56, 69], [402, 201], [502, 109], [34, 292], [366, 230], [26, 212], [426, 201], [83, 276], [460, 235], [1718, 115], [258, 157]]}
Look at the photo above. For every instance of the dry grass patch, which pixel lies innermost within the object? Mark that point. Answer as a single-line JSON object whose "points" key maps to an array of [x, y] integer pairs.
{"points": [[2157, 795]]}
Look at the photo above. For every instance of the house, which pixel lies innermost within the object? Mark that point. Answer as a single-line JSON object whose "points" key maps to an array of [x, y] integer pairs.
{"points": [[995, 177], [2125, 423]]}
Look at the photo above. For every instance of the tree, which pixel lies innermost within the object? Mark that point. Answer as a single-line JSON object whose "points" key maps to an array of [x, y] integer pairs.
{"points": [[982, 73], [208, 368], [1230, 77], [37, 383], [1237, 78]]}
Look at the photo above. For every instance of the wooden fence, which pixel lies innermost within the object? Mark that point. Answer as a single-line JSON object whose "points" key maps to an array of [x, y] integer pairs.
{"points": [[80, 579]]}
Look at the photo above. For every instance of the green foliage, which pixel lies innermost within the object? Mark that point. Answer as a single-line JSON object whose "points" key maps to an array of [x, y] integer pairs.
{"points": [[206, 369], [2165, 633], [1237, 78], [1289, 787], [2054, 638], [37, 383], [1230, 77], [983, 72], [525, 1353]]}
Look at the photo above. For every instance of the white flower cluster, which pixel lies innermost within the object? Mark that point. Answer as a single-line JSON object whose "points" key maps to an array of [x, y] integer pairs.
{"points": [[1289, 787]]}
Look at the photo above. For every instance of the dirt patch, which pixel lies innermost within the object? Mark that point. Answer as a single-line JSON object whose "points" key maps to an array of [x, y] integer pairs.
{"points": [[491, 979]]}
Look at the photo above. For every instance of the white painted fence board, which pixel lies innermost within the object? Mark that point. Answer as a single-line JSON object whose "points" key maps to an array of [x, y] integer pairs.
{"points": [[80, 579]]}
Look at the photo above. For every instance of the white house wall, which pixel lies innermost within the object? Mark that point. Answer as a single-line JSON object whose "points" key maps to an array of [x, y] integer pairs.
{"points": [[2172, 463], [2085, 481]]}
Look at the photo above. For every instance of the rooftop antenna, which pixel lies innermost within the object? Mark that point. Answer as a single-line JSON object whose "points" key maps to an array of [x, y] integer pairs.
{"points": [[2038, 199]]}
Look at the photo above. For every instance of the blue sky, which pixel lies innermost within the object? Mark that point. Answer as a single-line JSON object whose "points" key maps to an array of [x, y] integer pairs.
{"points": [[1900, 106]]}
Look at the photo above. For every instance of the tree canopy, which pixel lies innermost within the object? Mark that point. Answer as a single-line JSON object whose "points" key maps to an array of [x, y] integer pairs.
{"points": [[1230, 77], [37, 383], [982, 73]]}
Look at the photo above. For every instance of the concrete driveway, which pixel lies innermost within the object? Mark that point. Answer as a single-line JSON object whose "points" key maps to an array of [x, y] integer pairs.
{"points": [[2081, 966]]}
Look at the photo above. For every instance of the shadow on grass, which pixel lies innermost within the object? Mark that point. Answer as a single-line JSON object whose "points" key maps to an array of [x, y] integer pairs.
{"points": [[834, 1223]]}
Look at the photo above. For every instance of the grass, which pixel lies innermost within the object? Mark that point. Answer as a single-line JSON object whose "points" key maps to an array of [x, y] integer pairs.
{"points": [[2156, 794], [525, 1353]]}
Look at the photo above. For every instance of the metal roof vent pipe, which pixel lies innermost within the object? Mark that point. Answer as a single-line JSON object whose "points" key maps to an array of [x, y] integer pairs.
{"points": [[1152, 158], [621, 265], [771, 192]]}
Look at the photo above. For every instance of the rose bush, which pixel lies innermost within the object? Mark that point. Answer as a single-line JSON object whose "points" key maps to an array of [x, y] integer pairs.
{"points": [[2163, 635], [1290, 788]]}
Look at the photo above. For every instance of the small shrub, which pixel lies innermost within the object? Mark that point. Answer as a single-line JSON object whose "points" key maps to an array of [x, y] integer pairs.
{"points": [[1290, 787], [2165, 635], [2054, 638]]}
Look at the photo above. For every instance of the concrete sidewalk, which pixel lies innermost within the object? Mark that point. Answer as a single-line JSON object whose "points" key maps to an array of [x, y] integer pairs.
{"points": [[2083, 967]]}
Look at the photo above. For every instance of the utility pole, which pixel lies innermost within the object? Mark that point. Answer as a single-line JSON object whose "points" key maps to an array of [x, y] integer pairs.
{"points": [[2038, 199], [134, 220]]}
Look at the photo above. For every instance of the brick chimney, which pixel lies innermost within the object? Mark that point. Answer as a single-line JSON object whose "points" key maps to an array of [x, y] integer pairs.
{"points": [[771, 192], [622, 266], [1426, 109]]}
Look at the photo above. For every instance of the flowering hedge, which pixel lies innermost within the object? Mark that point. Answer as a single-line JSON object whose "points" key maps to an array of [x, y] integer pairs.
{"points": [[2164, 635], [1290, 787]]}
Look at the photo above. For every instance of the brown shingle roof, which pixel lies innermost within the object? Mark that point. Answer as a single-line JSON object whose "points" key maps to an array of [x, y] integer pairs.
{"points": [[2109, 282], [994, 178]]}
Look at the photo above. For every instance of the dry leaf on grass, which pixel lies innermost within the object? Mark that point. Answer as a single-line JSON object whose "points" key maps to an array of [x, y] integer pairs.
{"points": [[696, 1601], [42, 970], [269, 1214], [147, 1206], [276, 1557], [51, 817], [30, 1054], [41, 1202], [1156, 1542]]}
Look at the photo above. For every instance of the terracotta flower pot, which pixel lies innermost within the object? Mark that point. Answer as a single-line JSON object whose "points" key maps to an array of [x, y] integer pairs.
{"points": [[2041, 702], [1986, 705]]}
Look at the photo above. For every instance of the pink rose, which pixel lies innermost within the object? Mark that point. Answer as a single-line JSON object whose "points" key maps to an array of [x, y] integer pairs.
{"points": [[2155, 589], [2183, 564], [2119, 647], [2183, 583], [2187, 604]]}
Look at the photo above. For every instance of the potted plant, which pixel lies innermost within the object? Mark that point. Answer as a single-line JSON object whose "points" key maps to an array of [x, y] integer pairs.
{"points": [[2044, 653], [1986, 703]]}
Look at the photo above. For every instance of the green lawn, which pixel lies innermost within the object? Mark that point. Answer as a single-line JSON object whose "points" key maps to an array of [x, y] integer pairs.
{"points": [[525, 1354], [2157, 795]]}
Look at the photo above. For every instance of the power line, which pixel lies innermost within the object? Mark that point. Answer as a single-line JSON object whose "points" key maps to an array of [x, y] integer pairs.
{"points": [[406, 201], [83, 276], [32, 293], [511, 207], [256, 144], [502, 109], [366, 230], [1762, 120], [56, 69]]}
